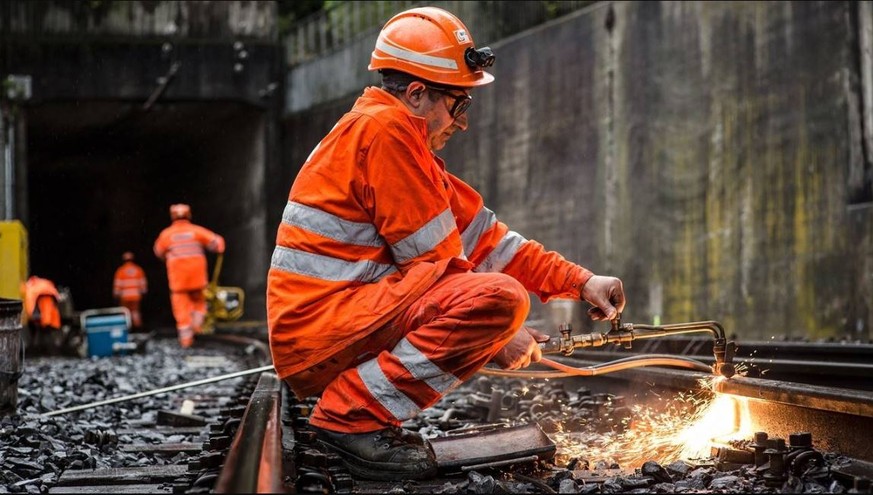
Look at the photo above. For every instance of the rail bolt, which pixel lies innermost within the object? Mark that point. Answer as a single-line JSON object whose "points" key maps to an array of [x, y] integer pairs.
{"points": [[760, 446], [776, 475]]}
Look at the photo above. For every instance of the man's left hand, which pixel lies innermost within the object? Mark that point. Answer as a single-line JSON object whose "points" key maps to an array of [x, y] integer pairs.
{"points": [[607, 296]]}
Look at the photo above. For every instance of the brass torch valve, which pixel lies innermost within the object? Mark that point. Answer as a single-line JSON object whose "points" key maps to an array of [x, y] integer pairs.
{"points": [[567, 343]]}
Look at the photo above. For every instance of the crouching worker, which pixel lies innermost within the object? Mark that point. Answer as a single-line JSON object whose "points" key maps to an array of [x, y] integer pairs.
{"points": [[391, 283], [43, 314]]}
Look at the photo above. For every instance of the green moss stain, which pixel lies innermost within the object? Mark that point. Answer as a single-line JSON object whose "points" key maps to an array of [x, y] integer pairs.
{"points": [[805, 179]]}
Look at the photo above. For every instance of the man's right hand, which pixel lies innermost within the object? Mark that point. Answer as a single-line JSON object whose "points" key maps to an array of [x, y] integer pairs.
{"points": [[522, 350], [607, 296]]}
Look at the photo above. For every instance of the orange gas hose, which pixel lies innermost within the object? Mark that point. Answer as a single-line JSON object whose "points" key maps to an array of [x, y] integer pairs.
{"points": [[603, 368]]}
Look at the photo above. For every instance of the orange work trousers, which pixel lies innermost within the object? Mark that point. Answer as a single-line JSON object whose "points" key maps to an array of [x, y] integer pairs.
{"points": [[406, 366], [133, 305], [189, 311]]}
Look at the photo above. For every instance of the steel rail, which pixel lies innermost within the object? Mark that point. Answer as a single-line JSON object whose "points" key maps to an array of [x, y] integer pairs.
{"points": [[839, 419], [764, 349], [831, 399], [854, 402], [254, 460], [836, 369]]}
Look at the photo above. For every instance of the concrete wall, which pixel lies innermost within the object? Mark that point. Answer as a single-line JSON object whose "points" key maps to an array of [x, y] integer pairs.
{"points": [[708, 153], [122, 50], [140, 19]]}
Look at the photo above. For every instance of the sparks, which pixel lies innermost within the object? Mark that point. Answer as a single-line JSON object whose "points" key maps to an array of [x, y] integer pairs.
{"points": [[685, 427]]}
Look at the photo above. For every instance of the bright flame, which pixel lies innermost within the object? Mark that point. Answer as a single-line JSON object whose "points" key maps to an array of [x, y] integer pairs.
{"points": [[723, 419], [685, 427]]}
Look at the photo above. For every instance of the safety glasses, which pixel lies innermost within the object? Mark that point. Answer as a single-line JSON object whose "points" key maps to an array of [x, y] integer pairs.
{"points": [[462, 101]]}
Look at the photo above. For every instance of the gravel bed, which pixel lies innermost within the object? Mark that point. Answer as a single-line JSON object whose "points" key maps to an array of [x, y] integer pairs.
{"points": [[35, 450]]}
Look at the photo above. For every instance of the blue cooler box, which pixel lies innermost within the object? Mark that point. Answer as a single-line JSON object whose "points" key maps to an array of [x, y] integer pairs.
{"points": [[106, 330]]}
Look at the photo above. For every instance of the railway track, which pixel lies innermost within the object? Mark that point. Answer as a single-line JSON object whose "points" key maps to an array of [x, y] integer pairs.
{"points": [[173, 442], [253, 437]]}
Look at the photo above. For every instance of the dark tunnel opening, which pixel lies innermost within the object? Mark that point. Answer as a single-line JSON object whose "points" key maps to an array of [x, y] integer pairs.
{"points": [[101, 177]]}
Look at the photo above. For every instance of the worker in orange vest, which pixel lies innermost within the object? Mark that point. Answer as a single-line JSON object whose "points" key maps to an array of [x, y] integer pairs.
{"points": [[42, 312], [391, 283], [182, 245], [129, 286]]}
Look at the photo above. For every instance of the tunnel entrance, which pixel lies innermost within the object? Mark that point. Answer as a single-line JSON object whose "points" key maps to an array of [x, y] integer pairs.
{"points": [[101, 177]]}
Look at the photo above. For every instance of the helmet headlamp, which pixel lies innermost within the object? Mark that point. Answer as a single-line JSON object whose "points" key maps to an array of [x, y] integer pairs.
{"points": [[482, 57]]}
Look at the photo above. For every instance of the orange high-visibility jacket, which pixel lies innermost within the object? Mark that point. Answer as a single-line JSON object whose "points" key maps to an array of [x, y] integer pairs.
{"points": [[35, 287], [182, 245], [129, 283], [373, 219]]}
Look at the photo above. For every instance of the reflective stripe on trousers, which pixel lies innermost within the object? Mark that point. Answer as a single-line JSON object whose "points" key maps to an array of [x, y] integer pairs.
{"points": [[441, 340], [186, 336], [185, 304]]}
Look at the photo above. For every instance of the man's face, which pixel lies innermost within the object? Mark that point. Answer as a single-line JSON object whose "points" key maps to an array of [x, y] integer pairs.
{"points": [[441, 125]]}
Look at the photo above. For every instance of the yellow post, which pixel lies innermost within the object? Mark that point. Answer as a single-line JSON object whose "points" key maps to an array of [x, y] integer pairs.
{"points": [[211, 302], [13, 252]]}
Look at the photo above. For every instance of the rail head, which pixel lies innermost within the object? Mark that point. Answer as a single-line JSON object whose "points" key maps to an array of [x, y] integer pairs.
{"points": [[254, 460]]}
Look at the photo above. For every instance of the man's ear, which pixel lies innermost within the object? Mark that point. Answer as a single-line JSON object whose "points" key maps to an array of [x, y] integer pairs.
{"points": [[415, 92]]}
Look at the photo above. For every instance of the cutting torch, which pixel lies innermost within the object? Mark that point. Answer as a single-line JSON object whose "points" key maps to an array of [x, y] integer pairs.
{"points": [[625, 333]]}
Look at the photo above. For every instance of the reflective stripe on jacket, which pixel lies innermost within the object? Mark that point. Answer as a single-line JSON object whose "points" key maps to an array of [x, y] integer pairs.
{"points": [[372, 221], [129, 283], [182, 245]]}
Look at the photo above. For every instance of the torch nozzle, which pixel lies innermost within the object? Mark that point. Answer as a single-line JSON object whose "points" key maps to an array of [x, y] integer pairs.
{"points": [[724, 358]]}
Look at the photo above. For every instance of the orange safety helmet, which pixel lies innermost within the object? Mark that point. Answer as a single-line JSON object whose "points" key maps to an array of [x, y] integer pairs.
{"points": [[180, 210], [433, 44], [127, 256]]}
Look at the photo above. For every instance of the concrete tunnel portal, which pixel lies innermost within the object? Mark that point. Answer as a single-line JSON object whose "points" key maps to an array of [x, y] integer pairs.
{"points": [[102, 174]]}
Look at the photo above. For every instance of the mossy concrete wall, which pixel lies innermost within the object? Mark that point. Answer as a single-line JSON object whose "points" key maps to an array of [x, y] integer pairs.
{"points": [[707, 153]]}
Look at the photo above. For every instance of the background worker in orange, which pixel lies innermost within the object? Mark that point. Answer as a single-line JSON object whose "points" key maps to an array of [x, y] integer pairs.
{"points": [[391, 283], [42, 311], [129, 286], [182, 246]]}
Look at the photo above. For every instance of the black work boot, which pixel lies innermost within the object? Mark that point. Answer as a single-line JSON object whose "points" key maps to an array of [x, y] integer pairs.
{"points": [[389, 454], [412, 437]]}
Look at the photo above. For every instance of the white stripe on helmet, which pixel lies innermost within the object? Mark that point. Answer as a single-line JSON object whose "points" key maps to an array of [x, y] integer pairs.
{"points": [[418, 58]]}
